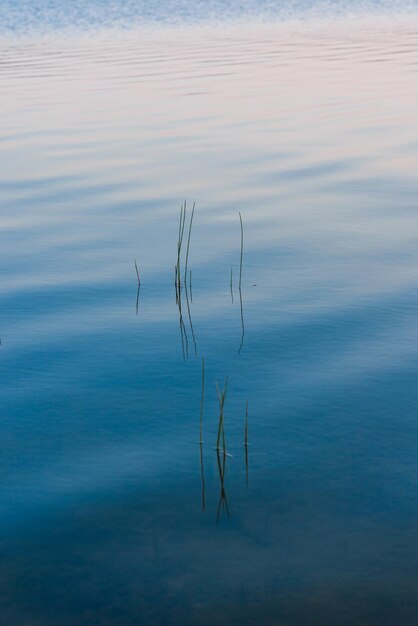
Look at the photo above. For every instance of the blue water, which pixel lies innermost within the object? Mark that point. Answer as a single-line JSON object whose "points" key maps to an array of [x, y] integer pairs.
{"points": [[110, 511]]}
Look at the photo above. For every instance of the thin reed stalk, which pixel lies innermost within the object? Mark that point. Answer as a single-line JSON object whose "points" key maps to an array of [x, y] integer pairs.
{"points": [[137, 272], [221, 424], [190, 317], [137, 299], [183, 332], [182, 222], [242, 249], [188, 242], [223, 500], [242, 321]]}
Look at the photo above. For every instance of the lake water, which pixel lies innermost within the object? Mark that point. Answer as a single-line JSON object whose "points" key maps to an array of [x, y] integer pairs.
{"points": [[112, 116]]}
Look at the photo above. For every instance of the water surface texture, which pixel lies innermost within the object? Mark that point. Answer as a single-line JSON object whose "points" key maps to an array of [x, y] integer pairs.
{"points": [[110, 511], [44, 15]]}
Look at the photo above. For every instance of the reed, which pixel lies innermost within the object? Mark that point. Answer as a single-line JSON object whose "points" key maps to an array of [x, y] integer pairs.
{"points": [[139, 286], [230, 287], [221, 423], [183, 332], [182, 222], [241, 309], [190, 316], [223, 500], [188, 242], [137, 299], [181, 277], [137, 272]]}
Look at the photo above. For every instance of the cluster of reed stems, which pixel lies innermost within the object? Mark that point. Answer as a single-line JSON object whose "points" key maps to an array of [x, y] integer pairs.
{"points": [[180, 276], [183, 279], [221, 420], [220, 448], [180, 279]]}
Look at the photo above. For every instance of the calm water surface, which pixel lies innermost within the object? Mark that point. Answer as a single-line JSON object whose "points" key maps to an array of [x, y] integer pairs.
{"points": [[111, 513]]}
